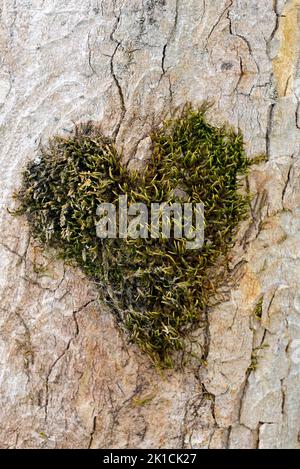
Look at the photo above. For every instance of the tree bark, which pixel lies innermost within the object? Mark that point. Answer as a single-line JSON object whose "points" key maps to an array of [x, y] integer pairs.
{"points": [[69, 379]]}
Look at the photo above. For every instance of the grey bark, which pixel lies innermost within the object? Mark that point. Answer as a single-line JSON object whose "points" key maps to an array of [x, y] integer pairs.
{"points": [[68, 377]]}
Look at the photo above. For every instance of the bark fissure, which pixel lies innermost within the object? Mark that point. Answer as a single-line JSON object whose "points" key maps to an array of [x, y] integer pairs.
{"points": [[115, 78], [61, 356], [216, 24], [90, 52]]}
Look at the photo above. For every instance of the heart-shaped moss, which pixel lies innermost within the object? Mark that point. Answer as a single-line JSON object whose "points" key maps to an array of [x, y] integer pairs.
{"points": [[157, 288]]}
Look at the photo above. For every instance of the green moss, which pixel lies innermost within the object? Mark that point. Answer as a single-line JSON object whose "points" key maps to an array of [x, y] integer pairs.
{"points": [[157, 289], [142, 401], [258, 309], [255, 357]]}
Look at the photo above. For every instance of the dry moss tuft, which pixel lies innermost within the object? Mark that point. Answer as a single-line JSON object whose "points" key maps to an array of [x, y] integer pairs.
{"points": [[157, 289]]}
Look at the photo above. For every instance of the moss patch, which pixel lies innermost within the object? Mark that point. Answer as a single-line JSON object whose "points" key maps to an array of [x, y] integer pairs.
{"points": [[157, 289]]}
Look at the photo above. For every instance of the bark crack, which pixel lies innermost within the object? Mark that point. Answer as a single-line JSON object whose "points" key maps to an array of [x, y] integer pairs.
{"points": [[163, 60], [115, 78], [243, 39], [53, 365], [224, 12], [236, 89], [276, 27], [90, 55], [269, 130], [273, 105], [94, 427], [297, 113], [288, 180], [170, 38]]}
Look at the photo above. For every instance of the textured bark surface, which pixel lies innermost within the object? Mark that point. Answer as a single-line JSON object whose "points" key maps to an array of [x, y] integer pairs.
{"points": [[68, 377]]}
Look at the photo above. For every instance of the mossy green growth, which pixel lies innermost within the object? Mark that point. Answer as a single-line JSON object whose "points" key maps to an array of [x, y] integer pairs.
{"points": [[157, 289], [258, 309]]}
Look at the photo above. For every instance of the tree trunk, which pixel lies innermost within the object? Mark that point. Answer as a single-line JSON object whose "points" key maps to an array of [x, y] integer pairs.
{"points": [[68, 376]]}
